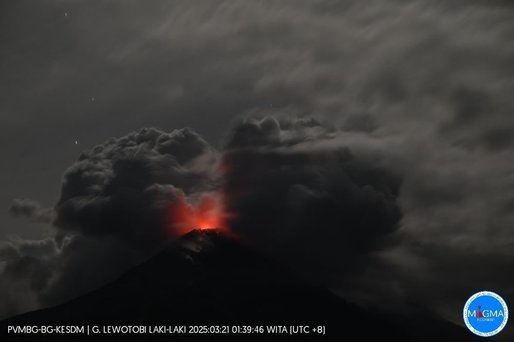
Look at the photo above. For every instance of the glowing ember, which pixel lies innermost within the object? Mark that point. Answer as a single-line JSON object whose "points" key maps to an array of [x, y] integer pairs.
{"points": [[205, 214]]}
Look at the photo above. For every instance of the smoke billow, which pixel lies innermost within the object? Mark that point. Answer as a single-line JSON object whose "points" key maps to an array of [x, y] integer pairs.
{"points": [[274, 184], [421, 90], [315, 205], [113, 212], [124, 187], [32, 210]]}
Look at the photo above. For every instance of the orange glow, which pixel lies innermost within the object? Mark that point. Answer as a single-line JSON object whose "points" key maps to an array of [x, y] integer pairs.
{"points": [[206, 213]]}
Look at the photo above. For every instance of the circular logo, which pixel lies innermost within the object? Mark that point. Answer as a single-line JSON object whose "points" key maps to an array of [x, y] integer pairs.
{"points": [[485, 313]]}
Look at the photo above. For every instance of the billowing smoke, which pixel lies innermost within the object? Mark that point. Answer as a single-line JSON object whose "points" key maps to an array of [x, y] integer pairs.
{"points": [[124, 187], [32, 210], [278, 184], [322, 200], [115, 209], [305, 198], [420, 89], [26, 268]]}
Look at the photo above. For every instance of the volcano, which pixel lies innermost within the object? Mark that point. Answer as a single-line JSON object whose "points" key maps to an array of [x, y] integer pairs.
{"points": [[206, 277]]}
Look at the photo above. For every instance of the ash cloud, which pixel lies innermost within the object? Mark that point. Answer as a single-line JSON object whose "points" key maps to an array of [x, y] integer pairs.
{"points": [[32, 210], [113, 212], [316, 206], [427, 85], [309, 204], [124, 187], [26, 268]]}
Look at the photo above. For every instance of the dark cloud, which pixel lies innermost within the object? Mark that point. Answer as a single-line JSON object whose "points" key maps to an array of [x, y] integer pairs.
{"points": [[85, 263], [124, 188], [113, 212], [360, 123], [276, 131], [26, 269], [424, 86], [313, 206], [318, 207], [32, 210]]}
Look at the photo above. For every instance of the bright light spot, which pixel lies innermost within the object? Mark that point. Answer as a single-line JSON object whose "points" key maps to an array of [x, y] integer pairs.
{"points": [[206, 213]]}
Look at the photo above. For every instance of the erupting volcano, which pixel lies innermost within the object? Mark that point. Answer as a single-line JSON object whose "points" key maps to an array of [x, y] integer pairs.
{"points": [[208, 278], [207, 213]]}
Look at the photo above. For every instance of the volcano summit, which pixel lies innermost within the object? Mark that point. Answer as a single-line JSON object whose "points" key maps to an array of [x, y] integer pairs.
{"points": [[209, 278]]}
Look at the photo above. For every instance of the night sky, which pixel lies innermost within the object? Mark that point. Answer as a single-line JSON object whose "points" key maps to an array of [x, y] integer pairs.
{"points": [[373, 141]]}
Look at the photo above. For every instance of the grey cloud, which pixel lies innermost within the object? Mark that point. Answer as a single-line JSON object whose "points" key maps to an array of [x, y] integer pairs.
{"points": [[276, 131], [32, 210], [125, 187], [317, 208], [113, 212], [360, 123], [16, 297], [26, 269], [85, 263], [425, 84]]}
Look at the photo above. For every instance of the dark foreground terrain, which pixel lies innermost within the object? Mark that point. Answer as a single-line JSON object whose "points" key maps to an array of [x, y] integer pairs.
{"points": [[208, 278]]}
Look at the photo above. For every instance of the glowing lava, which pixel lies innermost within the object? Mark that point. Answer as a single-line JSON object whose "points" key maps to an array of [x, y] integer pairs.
{"points": [[206, 213]]}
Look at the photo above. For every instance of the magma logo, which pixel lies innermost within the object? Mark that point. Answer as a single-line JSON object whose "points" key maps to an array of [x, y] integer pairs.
{"points": [[485, 313]]}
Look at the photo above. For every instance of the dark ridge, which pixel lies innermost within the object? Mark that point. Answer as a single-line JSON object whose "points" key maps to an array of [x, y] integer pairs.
{"points": [[207, 277]]}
